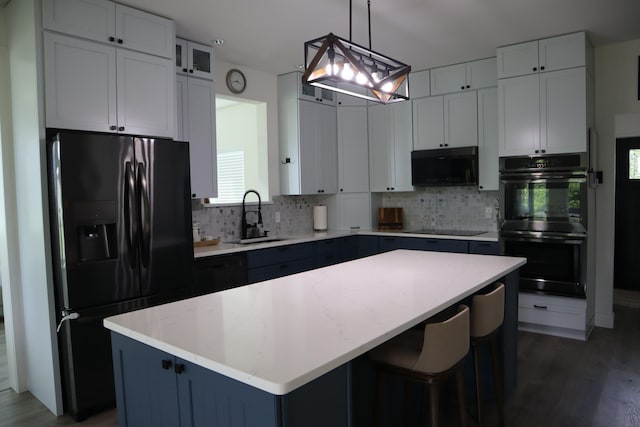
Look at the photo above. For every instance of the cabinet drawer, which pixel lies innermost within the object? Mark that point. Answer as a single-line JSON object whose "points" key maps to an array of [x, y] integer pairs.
{"points": [[217, 273], [280, 254], [284, 268], [443, 245], [552, 311], [484, 248], [327, 246]]}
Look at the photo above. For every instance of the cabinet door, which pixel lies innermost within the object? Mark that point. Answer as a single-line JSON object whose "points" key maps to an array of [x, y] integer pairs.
{"points": [[80, 84], [518, 59], [182, 109], [420, 86], [90, 19], [488, 139], [200, 60], [146, 385], [145, 32], [461, 120], [448, 79], [428, 123], [307, 162], [484, 248], [146, 94], [403, 144], [482, 73], [202, 138], [326, 146], [561, 52], [380, 148], [354, 211], [353, 150], [563, 112], [519, 115]]}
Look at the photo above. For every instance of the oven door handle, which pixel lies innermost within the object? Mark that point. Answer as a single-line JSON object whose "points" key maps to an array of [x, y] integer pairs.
{"points": [[527, 236]]}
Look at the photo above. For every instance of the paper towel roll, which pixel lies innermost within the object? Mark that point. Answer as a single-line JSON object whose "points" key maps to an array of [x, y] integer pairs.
{"points": [[320, 218]]}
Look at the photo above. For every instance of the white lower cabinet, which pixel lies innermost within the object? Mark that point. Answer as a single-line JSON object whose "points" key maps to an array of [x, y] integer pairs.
{"points": [[197, 120], [96, 87], [554, 315], [390, 145]]}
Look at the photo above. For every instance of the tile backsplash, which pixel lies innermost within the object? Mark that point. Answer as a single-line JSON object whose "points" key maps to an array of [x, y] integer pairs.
{"points": [[296, 217], [444, 208]]}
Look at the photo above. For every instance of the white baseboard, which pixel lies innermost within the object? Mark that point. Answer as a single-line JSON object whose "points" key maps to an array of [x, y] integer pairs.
{"points": [[605, 320]]}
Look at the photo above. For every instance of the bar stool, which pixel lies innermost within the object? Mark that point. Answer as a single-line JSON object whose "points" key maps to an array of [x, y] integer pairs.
{"points": [[428, 356], [487, 314]]}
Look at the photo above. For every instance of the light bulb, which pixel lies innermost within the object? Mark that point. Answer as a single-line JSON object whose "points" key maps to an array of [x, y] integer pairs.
{"points": [[361, 79], [347, 72], [387, 87], [328, 70]]}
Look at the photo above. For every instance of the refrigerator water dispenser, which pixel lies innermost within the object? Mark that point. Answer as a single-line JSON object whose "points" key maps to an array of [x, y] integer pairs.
{"points": [[97, 242]]}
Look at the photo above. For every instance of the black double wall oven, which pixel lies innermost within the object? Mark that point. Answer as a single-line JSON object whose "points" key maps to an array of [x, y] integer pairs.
{"points": [[543, 217]]}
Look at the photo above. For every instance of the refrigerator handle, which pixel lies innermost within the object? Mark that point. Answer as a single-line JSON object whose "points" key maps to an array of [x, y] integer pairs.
{"points": [[130, 224], [145, 215]]}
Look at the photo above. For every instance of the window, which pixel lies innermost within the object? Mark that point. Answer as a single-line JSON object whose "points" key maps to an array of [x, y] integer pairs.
{"points": [[634, 163], [241, 134]]}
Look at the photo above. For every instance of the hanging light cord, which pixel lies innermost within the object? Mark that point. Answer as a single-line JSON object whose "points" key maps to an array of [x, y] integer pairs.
{"points": [[369, 13], [350, 18]]}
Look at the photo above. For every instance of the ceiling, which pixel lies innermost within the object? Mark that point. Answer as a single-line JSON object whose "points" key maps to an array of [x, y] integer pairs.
{"points": [[268, 35]]}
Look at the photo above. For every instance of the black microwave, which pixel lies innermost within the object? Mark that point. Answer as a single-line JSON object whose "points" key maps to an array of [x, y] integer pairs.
{"points": [[444, 166]]}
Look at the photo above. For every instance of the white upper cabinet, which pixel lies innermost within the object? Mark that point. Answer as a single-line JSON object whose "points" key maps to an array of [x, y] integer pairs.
{"points": [[543, 114], [390, 145], [419, 84], [445, 121], [194, 59], [553, 53], [89, 19], [145, 93], [354, 211], [80, 84], [308, 141], [345, 100], [488, 179], [108, 22], [313, 93], [96, 87], [461, 77], [353, 150]]}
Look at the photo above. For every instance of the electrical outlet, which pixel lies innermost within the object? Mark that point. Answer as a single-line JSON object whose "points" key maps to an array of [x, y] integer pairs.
{"points": [[277, 217], [488, 212]]}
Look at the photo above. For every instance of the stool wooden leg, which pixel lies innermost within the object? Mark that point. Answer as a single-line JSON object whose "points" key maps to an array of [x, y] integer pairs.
{"points": [[408, 395], [434, 399], [476, 364], [461, 401], [497, 378]]}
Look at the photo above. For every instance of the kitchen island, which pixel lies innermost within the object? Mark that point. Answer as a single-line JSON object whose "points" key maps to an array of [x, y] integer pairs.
{"points": [[278, 352]]}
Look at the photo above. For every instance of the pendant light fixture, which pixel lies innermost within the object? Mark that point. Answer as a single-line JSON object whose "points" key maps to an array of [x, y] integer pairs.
{"points": [[339, 65]]}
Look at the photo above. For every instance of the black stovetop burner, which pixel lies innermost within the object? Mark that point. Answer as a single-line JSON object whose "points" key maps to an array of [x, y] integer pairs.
{"points": [[447, 232]]}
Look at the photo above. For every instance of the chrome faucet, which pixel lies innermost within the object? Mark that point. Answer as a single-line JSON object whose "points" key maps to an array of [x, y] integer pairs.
{"points": [[251, 230]]}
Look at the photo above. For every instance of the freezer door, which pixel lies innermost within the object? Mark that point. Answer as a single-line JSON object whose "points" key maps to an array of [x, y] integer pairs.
{"points": [[164, 207], [94, 253]]}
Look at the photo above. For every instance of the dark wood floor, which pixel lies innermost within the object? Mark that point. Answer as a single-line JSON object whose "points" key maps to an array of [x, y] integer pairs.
{"points": [[561, 382]]}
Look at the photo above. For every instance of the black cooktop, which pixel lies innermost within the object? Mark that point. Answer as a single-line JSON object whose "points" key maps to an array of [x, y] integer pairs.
{"points": [[447, 232]]}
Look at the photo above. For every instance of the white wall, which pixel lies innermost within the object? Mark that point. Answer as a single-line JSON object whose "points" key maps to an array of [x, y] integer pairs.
{"points": [[260, 87], [616, 93], [9, 258], [41, 358]]}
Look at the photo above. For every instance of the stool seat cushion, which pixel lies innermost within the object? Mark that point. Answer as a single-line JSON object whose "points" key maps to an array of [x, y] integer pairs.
{"points": [[402, 351]]}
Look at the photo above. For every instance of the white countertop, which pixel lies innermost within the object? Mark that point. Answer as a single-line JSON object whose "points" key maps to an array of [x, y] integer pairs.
{"points": [[228, 248], [280, 334]]}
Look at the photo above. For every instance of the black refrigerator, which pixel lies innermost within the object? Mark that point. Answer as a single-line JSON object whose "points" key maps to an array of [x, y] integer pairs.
{"points": [[121, 240]]}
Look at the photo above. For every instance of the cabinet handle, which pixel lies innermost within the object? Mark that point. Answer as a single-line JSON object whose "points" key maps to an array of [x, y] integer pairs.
{"points": [[542, 68], [113, 127], [468, 86], [112, 39], [190, 71], [535, 68], [166, 364], [179, 368], [120, 41], [541, 307], [480, 187], [184, 70], [121, 128], [193, 195], [462, 87], [393, 188], [543, 151], [441, 145], [536, 151], [341, 189]]}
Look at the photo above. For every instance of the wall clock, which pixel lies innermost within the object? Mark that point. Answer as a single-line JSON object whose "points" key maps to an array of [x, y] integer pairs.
{"points": [[236, 81]]}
